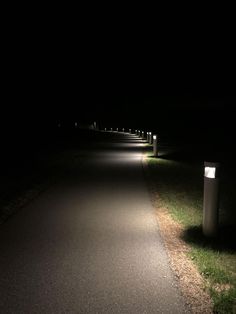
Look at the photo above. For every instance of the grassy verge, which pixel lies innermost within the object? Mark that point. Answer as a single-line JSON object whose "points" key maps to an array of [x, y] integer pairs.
{"points": [[180, 186]]}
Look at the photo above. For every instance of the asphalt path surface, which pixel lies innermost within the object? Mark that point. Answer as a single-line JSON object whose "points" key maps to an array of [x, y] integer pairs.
{"points": [[91, 243]]}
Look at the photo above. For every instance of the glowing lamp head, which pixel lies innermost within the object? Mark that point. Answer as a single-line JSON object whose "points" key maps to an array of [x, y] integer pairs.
{"points": [[211, 170], [154, 137]]}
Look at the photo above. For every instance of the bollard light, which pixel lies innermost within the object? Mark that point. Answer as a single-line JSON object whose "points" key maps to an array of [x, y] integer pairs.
{"points": [[111, 129], [117, 129], [142, 134], [139, 133], [136, 132], [130, 131], [211, 199], [150, 138], [76, 124], [155, 151], [123, 130], [105, 129]]}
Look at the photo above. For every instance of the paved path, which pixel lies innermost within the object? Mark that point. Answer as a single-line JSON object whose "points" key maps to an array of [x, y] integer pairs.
{"points": [[89, 245]]}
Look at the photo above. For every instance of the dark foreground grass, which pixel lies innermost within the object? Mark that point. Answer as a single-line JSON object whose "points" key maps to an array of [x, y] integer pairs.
{"points": [[179, 185]]}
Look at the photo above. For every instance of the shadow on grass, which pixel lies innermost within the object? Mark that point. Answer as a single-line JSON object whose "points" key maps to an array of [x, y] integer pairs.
{"points": [[224, 242]]}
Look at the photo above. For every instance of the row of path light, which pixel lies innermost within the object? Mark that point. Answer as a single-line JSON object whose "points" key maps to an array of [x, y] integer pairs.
{"points": [[148, 136], [211, 184]]}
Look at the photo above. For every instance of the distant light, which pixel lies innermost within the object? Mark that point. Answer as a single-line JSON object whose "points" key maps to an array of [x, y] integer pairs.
{"points": [[154, 137], [76, 124], [210, 172]]}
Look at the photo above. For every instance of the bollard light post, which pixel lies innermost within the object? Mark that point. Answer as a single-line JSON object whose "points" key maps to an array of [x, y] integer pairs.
{"points": [[136, 132], [150, 138], [211, 198], [123, 130], [117, 129], [155, 151], [130, 131], [139, 133], [147, 136], [105, 129], [111, 129], [142, 134]]}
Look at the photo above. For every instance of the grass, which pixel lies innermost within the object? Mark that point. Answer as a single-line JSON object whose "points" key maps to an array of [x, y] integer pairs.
{"points": [[179, 185]]}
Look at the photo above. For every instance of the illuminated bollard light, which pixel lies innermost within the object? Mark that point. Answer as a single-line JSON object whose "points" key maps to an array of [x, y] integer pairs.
{"points": [[117, 129], [111, 130], [136, 132], [211, 199], [139, 133], [155, 151], [150, 138], [130, 131], [76, 124], [105, 129], [123, 130], [142, 134]]}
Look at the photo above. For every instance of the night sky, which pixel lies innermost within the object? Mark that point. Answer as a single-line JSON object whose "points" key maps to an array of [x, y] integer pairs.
{"points": [[168, 75]]}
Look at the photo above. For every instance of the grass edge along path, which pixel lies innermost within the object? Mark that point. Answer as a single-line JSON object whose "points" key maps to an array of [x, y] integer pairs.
{"points": [[195, 266]]}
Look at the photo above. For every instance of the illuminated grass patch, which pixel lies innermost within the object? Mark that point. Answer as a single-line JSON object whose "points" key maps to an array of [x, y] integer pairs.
{"points": [[179, 186]]}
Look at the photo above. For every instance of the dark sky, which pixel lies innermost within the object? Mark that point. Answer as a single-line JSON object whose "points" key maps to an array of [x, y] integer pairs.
{"points": [[92, 69]]}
